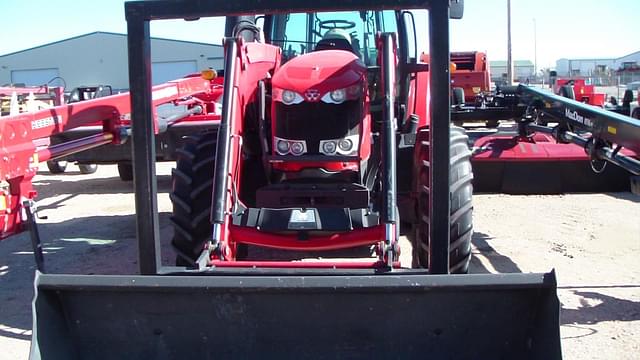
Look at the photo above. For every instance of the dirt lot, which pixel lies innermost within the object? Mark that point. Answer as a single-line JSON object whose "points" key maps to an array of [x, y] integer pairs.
{"points": [[592, 240]]}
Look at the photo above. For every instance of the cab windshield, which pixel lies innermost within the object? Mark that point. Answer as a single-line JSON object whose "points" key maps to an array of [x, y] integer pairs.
{"points": [[301, 33]]}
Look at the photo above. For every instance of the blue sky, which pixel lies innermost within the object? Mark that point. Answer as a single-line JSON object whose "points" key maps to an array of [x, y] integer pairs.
{"points": [[565, 28]]}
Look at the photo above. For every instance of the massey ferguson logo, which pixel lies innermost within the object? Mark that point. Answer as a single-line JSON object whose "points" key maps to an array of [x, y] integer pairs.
{"points": [[573, 115], [312, 95]]}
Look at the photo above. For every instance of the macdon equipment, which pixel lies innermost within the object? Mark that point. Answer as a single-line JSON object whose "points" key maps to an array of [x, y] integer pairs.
{"points": [[331, 135], [557, 144]]}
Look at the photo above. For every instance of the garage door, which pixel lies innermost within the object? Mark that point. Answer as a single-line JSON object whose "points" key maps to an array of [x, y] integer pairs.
{"points": [[164, 71], [36, 77]]}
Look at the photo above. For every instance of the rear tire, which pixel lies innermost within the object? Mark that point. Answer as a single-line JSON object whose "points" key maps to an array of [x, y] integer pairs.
{"points": [[461, 191], [567, 91], [192, 187], [457, 94], [88, 168], [56, 167], [492, 123], [125, 171]]}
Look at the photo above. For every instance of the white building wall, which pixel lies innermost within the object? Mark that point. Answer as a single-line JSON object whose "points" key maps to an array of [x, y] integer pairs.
{"points": [[562, 67], [581, 67], [633, 57], [101, 58]]}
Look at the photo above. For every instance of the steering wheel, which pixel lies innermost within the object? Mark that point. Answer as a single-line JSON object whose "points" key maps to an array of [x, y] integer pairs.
{"points": [[337, 24]]}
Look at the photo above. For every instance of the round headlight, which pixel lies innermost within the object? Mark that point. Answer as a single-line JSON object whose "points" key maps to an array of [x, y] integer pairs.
{"points": [[297, 148], [288, 97], [345, 144], [328, 147], [338, 95], [282, 146]]}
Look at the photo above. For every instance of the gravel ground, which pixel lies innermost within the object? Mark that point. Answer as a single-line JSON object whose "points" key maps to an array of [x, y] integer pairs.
{"points": [[592, 240]]}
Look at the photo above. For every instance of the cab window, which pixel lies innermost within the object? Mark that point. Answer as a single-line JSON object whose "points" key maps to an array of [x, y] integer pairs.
{"points": [[301, 33]]}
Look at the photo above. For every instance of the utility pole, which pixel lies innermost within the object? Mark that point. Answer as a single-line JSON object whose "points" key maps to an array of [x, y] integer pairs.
{"points": [[535, 50], [509, 60]]}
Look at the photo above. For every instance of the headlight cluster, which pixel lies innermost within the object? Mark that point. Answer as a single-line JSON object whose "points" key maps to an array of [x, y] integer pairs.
{"points": [[338, 96], [293, 147], [291, 97], [344, 146]]}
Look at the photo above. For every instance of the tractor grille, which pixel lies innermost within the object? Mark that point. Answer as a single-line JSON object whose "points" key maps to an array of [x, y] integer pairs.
{"points": [[317, 121]]}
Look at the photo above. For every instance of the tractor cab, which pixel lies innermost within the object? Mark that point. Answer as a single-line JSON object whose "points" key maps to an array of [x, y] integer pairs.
{"points": [[302, 33]]}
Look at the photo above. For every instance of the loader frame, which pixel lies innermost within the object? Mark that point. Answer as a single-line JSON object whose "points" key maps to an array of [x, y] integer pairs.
{"points": [[138, 16], [291, 312]]}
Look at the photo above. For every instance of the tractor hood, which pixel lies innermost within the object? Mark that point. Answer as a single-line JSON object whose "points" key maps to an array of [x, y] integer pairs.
{"points": [[323, 71]]}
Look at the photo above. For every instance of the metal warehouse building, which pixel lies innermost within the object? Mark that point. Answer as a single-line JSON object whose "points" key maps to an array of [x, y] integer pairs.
{"points": [[522, 70], [100, 58], [602, 71]]}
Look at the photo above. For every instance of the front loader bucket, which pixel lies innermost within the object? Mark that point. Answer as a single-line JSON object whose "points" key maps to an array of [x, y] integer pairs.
{"points": [[509, 316]]}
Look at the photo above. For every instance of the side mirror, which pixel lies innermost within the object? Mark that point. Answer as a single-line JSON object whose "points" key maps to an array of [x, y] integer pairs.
{"points": [[456, 9]]}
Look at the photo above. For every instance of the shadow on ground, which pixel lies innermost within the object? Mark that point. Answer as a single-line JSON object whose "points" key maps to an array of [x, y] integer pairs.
{"points": [[501, 263], [625, 196], [86, 245], [48, 187], [606, 308]]}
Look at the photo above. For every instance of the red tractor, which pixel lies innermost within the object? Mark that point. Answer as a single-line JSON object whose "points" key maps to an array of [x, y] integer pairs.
{"points": [[319, 134]]}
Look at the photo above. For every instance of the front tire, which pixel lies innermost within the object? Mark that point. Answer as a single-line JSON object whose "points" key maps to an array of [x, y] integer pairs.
{"points": [[192, 183], [460, 192], [88, 168], [56, 167], [125, 171]]}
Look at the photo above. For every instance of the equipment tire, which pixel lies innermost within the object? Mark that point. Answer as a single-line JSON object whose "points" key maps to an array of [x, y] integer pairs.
{"points": [[567, 91], [88, 168], [461, 190], [457, 94], [125, 171], [492, 123], [192, 186], [56, 167]]}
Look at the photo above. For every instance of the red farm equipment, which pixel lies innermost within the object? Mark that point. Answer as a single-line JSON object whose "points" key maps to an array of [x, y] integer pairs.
{"points": [[171, 126], [331, 136], [470, 76], [471, 84], [579, 90], [557, 143]]}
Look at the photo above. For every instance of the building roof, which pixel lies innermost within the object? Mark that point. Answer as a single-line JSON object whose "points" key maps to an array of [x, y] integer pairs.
{"points": [[499, 63], [630, 54], [587, 59], [103, 33], [601, 59]]}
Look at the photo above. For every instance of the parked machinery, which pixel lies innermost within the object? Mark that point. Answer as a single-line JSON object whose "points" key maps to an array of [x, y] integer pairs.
{"points": [[324, 142], [558, 145]]}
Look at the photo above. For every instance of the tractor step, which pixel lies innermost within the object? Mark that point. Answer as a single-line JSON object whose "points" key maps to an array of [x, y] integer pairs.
{"points": [[306, 264]]}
